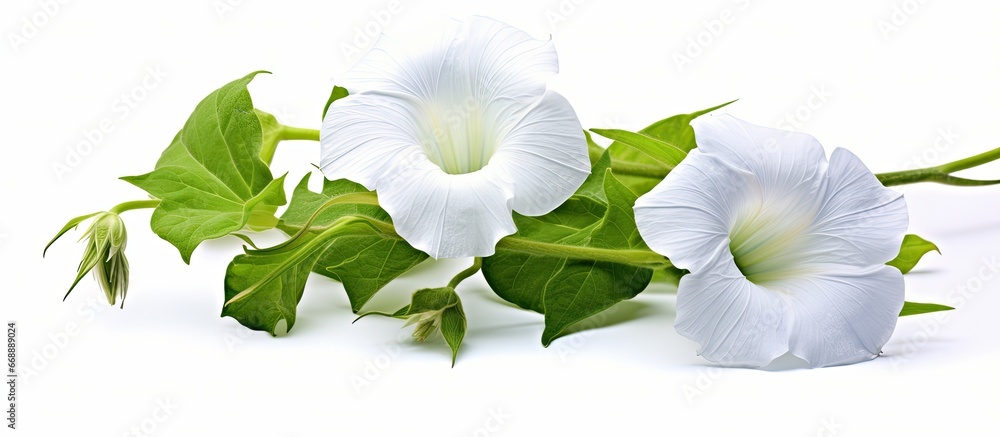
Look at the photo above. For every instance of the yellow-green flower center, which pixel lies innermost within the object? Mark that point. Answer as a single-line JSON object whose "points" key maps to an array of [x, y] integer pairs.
{"points": [[767, 242], [456, 137]]}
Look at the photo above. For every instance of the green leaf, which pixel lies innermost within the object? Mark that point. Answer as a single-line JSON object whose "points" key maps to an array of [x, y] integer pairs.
{"points": [[674, 130], [211, 179], [336, 93], [594, 150], [363, 261], [567, 290], [914, 308], [275, 301], [911, 251], [666, 154], [264, 286], [567, 224], [677, 129]]}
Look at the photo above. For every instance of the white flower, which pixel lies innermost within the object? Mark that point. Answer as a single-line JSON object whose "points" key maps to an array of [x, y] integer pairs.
{"points": [[456, 134], [786, 251]]}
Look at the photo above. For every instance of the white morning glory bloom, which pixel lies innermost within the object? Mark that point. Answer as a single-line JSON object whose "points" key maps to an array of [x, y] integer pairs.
{"points": [[456, 134], [786, 250]]}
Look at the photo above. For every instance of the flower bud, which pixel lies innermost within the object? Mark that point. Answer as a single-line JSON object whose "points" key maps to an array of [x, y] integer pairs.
{"points": [[427, 324], [104, 254]]}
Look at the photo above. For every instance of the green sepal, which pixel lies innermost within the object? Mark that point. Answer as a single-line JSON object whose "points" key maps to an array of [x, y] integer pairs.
{"points": [[71, 224], [914, 308], [336, 93], [911, 251]]}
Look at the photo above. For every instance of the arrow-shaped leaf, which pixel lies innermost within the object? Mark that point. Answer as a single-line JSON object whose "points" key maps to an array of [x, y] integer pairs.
{"points": [[663, 152], [569, 290], [675, 130], [363, 261], [210, 179]]}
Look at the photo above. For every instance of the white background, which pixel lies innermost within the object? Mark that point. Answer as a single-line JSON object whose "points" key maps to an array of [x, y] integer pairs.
{"points": [[922, 92]]}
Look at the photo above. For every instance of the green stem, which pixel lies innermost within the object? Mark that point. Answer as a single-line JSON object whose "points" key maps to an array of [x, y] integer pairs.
{"points": [[942, 174], [972, 161], [477, 264], [298, 133], [135, 204], [360, 198], [633, 257], [284, 133]]}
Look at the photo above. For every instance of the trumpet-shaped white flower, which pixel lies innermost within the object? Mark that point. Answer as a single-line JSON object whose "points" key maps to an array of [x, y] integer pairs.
{"points": [[455, 135], [786, 250]]}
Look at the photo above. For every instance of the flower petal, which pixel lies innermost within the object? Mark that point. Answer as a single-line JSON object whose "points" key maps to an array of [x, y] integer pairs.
{"points": [[687, 216], [843, 315], [405, 67], [546, 153], [784, 162], [449, 216], [498, 62], [789, 168], [861, 222], [734, 321], [366, 136], [481, 56]]}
